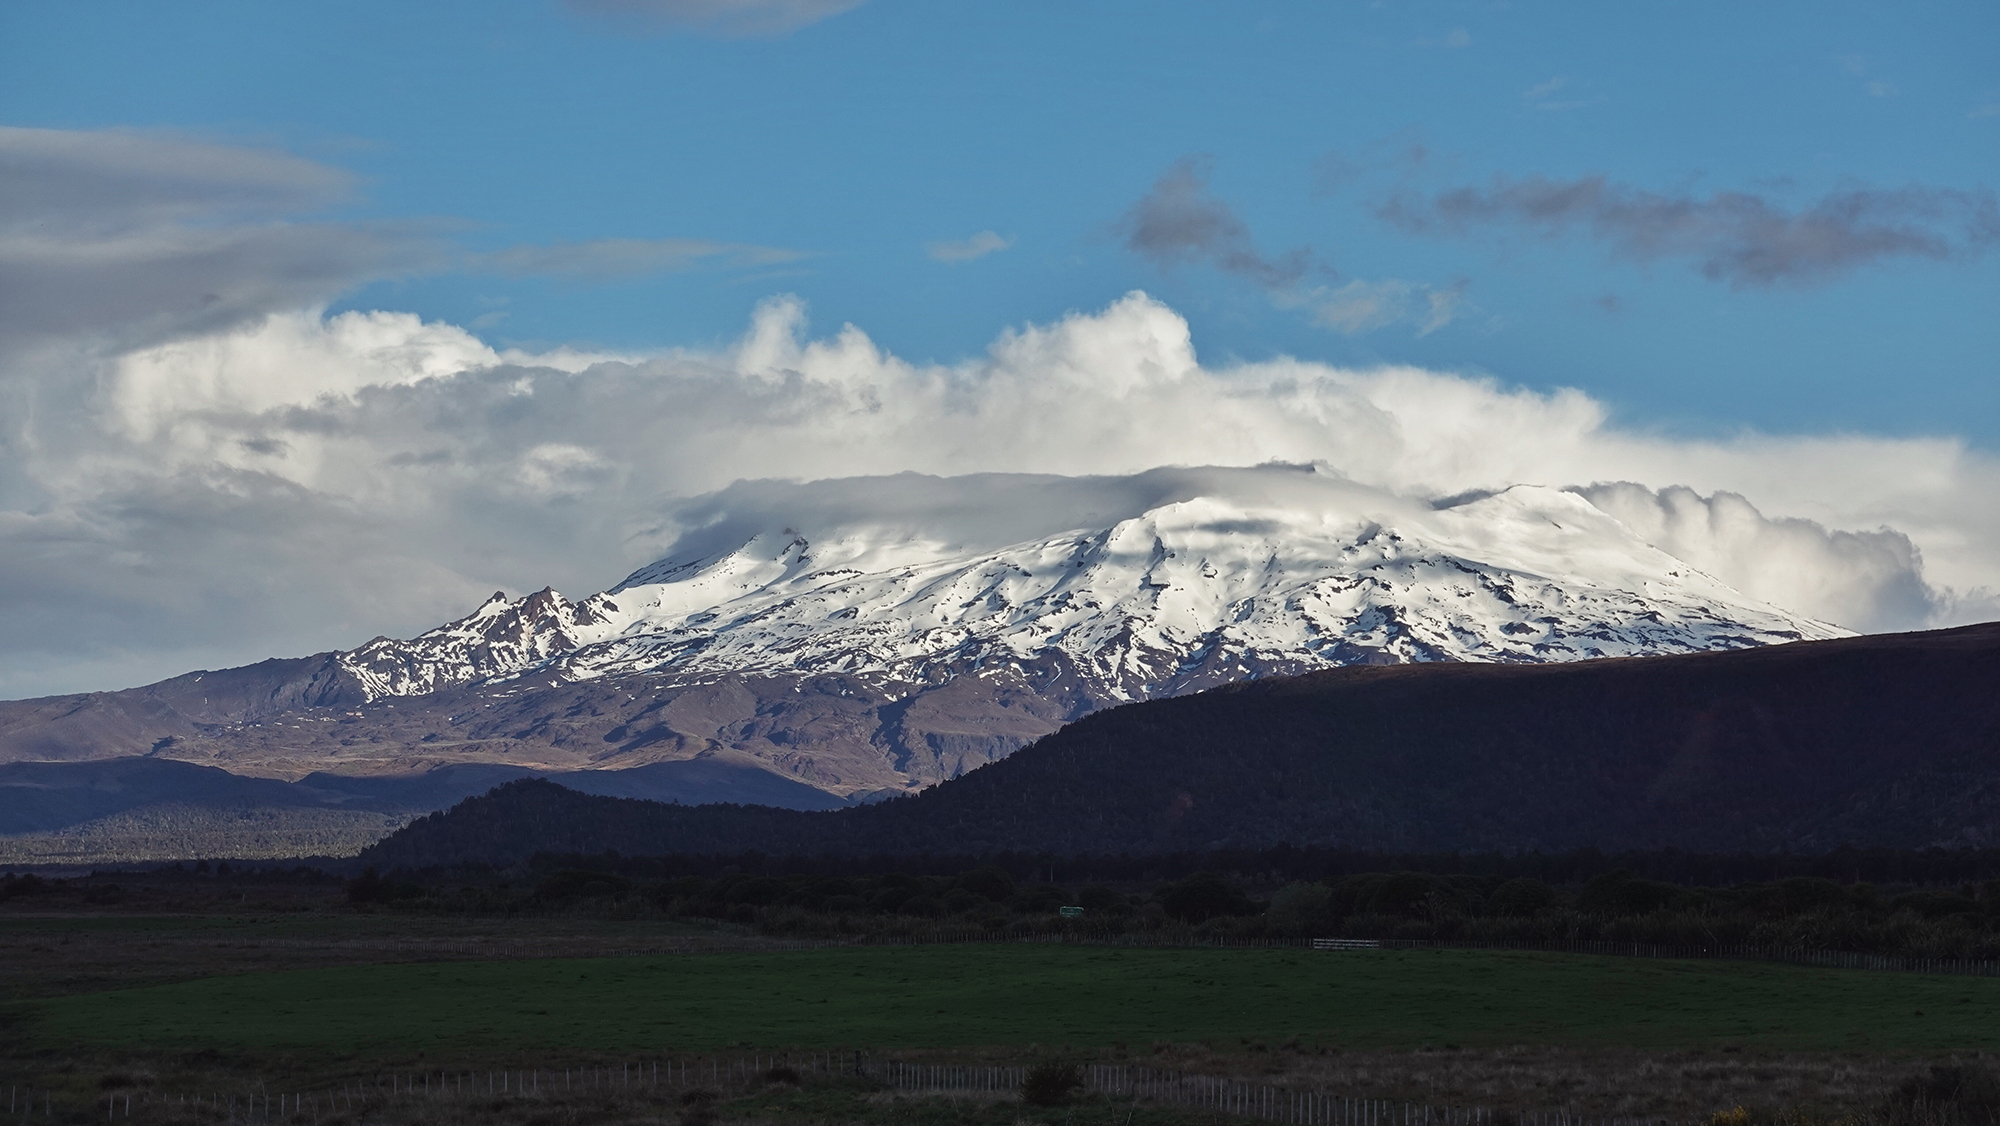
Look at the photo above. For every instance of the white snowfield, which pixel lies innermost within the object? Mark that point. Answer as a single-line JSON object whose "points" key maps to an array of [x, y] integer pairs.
{"points": [[1144, 585]]}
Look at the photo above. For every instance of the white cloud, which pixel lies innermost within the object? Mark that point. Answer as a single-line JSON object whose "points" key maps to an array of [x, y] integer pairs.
{"points": [[1363, 306], [286, 359], [199, 468], [966, 249], [1871, 580], [1542, 96], [308, 482], [728, 18], [1541, 91]]}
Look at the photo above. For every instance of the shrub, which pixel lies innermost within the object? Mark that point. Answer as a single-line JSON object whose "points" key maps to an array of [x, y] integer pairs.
{"points": [[1099, 898], [760, 891], [1948, 1096], [1406, 895], [1796, 896], [123, 1080], [370, 887], [698, 1107], [1519, 898], [1051, 1083], [1401, 895], [572, 883], [1620, 893], [818, 894], [1302, 904], [1041, 899], [29, 884], [1934, 904], [1205, 896], [894, 898], [987, 883]]}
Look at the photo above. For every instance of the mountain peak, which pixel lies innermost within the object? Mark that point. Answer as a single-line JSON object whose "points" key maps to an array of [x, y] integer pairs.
{"points": [[1146, 585]]}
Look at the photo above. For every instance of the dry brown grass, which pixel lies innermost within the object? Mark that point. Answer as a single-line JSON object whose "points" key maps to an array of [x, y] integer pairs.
{"points": [[1677, 1085], [1774, 1089]]}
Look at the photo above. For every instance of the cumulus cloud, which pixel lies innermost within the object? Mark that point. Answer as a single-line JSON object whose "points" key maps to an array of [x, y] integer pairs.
{"points": [[199, 468], [1741, 238], [966, 249], [1180, 221], [307, 482], [727, 18], [1869, 580]]}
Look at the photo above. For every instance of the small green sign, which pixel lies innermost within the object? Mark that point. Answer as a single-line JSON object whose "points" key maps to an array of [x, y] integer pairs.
{"points": [[1072, 912]]}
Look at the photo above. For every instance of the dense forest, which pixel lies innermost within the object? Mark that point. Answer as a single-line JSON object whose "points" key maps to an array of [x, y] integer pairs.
{"points": [[1882, 741]]}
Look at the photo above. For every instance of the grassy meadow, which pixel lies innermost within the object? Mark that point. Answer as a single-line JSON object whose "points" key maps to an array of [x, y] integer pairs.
{"points": [[994, 995]]}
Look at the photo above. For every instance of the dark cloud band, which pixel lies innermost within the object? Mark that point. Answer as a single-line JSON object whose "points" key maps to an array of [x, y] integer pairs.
{"points": [[1745, 240], [1179, 221]]}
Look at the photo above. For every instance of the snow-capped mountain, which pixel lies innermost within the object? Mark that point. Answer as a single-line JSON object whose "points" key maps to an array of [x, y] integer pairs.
{"points": [[870, 636], [1137, 587]]}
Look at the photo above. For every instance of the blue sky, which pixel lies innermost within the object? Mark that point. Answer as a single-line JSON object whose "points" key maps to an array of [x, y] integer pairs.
{"points": [[323, 321], [857, 140]]}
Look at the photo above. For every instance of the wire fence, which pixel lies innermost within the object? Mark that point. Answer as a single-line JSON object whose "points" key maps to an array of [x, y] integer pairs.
{"points": [[411, 1094], [659, 1082]]}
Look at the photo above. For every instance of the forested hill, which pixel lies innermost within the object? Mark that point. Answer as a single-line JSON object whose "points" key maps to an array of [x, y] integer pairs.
{"points": [[1889, 740]]}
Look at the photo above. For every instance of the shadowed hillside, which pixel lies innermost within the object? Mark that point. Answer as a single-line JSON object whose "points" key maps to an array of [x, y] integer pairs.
{"points": [[1889, 740]]}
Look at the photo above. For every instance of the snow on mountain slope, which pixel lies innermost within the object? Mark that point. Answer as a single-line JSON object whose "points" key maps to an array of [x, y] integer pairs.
{"points": [[1145, 585]]}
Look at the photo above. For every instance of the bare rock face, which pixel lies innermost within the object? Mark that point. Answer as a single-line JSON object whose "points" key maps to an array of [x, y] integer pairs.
{"points": [[876, 636], [155, 718], [500, 637]]}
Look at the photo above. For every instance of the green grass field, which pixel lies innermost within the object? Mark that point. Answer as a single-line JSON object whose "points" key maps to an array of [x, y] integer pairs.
{"points": [[946, 996]]}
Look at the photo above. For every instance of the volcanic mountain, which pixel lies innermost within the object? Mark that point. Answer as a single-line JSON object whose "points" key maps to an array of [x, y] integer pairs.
{"points": [[871, 636], [1886, 741]]}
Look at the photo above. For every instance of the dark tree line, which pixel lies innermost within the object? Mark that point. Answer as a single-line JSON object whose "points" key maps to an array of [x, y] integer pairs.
{"points": [[1885, 743]]}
